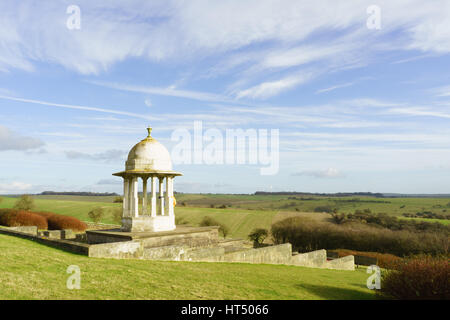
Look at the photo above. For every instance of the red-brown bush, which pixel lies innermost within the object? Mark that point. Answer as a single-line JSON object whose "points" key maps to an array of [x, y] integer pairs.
{"points": [[384, 260], [59, 222], [16, 218], [43, 220], [418, 278]]}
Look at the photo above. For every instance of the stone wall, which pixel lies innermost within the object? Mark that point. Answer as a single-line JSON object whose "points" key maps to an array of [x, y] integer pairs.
{"points": [[279, 254], [67, 245], [315, 259], [184, 253], [199, 238], [117, 250], [199, 245], [318, 259], [344, 263]]}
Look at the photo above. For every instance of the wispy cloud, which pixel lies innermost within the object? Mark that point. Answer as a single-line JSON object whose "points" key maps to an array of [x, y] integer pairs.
{"points": [[270, 37], [109, 155], [441, 91], [339, 86], [164, 91], [329, 173], [77, 107], [272, 88], [109, 182]]}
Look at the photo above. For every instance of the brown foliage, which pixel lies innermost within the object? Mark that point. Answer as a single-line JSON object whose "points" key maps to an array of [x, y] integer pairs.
{"points": [[16, 218], [384, 260], [418, 278], [60, 222], [308, 235]]}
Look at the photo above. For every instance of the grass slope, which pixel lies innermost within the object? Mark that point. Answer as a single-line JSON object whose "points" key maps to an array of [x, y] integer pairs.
{"points": [[34, 271]]}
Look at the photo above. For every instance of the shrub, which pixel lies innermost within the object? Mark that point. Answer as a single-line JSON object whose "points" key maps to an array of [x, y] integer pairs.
{"points": [[338, 218], [327, 209], [208, 221], [384, 260], [118, 200], [96, 214], [116, 214], [258, 236], [17, 218], [25, 202], [308, 235], [224, 230], [179, 220], [60, 222], [418, 278]]}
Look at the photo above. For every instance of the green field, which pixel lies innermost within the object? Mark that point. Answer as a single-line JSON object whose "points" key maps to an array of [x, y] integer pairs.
{"points": [[243, 213], [394, 206], [34, 271]]}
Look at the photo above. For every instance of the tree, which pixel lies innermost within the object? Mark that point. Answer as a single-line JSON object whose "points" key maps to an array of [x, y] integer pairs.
{"points": [[258, 236], [1, 199], [117, 215], [118, 199], [96, 214], [338, 218], [224, 230], [208, 221], [25, 202]]}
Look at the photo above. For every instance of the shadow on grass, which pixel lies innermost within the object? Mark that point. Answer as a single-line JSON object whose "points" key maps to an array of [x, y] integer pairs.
{"points": [[336, 293]]}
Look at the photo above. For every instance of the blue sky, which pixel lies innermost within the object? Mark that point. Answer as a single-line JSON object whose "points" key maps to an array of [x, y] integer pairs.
{"points": [[357, 108]]}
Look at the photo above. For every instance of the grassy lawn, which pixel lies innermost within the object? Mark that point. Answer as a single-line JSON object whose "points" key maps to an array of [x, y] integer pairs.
{"points": [[34, 271], [240, 221], [444, 222]]}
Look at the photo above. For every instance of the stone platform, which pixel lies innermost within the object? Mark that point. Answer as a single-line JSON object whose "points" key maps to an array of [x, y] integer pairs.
{"points": [[182, 235], [200, 244]]}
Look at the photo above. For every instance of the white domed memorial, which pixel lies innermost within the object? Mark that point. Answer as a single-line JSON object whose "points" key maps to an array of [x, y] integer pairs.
{"points": [[148, 162]]}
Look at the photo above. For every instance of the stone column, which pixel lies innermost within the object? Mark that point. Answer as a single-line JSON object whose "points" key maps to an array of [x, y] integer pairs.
{"points": [[134, 199], [126, 194], [161, 195], [144, 196], [169, 196], [153, 198]]}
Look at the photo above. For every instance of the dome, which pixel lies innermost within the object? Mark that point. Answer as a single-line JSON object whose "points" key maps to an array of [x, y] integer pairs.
{"points": [[149, 155]]}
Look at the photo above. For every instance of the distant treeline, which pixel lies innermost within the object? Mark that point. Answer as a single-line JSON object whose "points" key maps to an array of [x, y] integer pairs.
{"points": [[350, 194], [339, 194], [90, 194]]}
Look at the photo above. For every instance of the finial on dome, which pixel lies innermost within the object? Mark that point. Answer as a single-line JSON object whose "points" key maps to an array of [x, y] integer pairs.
{"points": [[149, 129]]}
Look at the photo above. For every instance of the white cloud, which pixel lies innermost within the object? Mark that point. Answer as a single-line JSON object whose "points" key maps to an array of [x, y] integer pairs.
{"points": [[109, 155], [164, 91], [10, 140], [148, 102], [272, 88], [189, 31], [14, 187], [329, 173]]}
